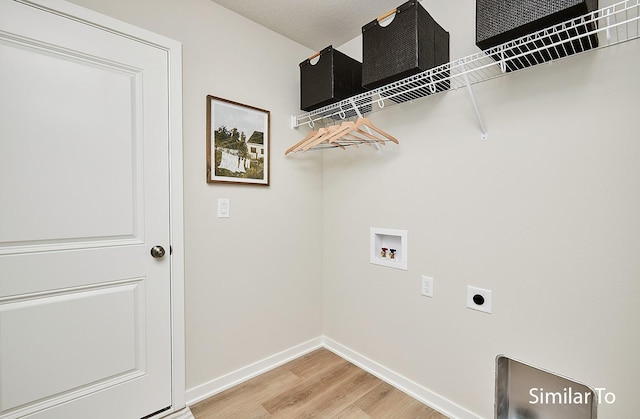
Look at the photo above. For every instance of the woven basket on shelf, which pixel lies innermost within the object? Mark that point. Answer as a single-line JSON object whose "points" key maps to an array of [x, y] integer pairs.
{"points": [[500, 21], [412, 43]]}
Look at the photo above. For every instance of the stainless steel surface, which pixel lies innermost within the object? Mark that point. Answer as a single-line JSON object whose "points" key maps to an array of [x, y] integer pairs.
{"points": [[526, 392], [157, 251]]}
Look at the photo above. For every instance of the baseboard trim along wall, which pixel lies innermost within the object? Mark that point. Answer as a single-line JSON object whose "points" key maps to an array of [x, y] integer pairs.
{"points": [[415, 390], [181, 414], [243, 374], [426, 396]]}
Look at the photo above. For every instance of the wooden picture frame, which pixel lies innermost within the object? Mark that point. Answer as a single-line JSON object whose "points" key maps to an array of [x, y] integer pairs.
{"points": [[238, 143]]}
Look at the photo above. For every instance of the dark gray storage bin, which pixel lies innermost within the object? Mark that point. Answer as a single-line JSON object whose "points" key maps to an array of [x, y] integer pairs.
{"points": [[500, 21], [412, 43], [334, 77]]}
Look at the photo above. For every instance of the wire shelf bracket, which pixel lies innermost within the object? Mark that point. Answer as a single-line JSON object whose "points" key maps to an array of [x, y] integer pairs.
{"points": [[483, 128], [377, 146]]}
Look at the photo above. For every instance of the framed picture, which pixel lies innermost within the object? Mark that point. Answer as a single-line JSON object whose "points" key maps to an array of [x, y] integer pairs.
{"points": [[237, 142]]}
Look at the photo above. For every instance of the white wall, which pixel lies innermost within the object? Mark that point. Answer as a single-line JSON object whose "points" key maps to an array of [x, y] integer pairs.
{"points": [[544, 213], [253, 281]]}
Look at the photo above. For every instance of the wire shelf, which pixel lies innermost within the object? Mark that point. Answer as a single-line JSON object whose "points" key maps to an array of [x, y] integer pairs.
{"points": [[601, 28]]}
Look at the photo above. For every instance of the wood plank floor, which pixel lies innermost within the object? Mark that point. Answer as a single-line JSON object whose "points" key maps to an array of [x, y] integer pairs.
{"points": [[319, 384]]}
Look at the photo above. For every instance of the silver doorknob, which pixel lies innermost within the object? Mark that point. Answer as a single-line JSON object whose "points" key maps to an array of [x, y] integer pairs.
{"points": [[157, 251]]}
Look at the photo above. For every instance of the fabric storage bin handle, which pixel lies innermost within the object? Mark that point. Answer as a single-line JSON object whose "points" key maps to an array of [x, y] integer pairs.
{"points": [[386, 15], [317, 54], [397, 10]]}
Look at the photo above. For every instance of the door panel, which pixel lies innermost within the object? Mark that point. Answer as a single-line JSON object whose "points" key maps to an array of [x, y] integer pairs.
{"points": [[85, 326], [115, 336], [97, 120]]}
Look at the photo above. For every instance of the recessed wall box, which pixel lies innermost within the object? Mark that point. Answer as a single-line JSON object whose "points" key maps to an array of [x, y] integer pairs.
{"points": [[389, 247]]}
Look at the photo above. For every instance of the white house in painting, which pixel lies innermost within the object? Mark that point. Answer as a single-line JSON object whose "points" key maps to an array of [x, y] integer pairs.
{"points": [[255, 145]]}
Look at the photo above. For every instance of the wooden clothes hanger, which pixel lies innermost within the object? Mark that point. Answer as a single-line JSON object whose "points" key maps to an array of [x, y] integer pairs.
{"points": [[348, 133], [355, 128], [364, 136], [367, 122], [323, 133], [301, 142], [310, 138], [342, 129]]}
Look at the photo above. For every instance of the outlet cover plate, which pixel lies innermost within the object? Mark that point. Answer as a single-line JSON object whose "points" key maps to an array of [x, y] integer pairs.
{"points": [[427, 286], [484, 305]]}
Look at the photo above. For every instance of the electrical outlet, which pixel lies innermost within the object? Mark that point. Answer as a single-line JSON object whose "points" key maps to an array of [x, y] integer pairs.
{"points": [[427, 286], [479, 299]]}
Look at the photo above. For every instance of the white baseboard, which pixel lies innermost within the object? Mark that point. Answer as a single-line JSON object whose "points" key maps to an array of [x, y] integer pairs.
{"points": [[236, 377], [415, 390], [180, 414]]}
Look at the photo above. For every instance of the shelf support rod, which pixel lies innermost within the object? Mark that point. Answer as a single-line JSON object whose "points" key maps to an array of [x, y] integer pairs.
{"points": [[608, 14], [355, 108], [483, 128]]}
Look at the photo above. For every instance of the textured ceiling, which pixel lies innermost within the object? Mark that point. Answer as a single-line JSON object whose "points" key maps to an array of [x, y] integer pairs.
{"points": [[315, 24]]}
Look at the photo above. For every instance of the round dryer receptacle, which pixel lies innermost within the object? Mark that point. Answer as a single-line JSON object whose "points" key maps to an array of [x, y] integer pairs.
{"points": [[478, 299]]}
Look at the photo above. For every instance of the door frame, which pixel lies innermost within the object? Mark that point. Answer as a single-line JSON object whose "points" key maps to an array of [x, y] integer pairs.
{"points": [[173, 50]]}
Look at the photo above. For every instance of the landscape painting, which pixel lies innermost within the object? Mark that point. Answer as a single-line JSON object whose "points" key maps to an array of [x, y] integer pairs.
{"points": [[237, 142]]}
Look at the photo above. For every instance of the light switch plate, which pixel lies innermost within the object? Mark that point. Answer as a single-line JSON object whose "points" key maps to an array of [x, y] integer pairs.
{"points": [[223, 208]]}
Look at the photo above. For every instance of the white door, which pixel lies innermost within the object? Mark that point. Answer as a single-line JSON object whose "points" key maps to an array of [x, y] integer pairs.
{"points": [[84, 195]]}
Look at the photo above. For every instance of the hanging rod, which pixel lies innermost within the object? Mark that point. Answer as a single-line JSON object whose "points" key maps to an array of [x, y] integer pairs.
{"points": [[612, 25]]}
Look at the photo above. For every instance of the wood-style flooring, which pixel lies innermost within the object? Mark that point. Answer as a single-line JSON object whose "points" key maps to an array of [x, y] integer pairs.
{"points": [[319, 384]]}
